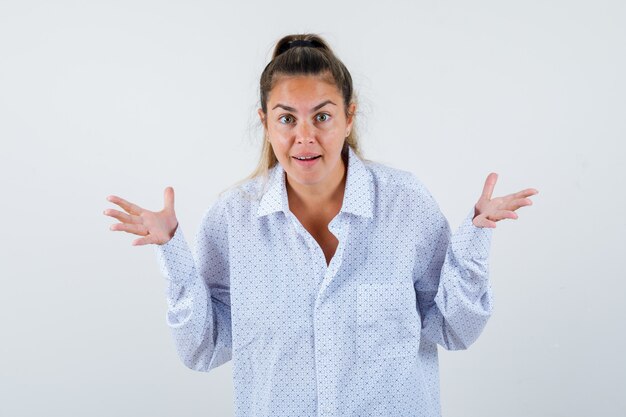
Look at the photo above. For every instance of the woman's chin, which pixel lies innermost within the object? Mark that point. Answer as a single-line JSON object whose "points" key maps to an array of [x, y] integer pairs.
{"points": [[303, 179]]}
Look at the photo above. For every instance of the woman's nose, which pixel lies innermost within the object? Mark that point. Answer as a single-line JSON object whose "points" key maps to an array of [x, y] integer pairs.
{"points": [[304, 132]]}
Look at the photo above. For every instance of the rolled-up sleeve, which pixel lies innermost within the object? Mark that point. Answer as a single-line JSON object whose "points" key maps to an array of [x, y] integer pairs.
{"points": [[198, 292], [454, 293]]}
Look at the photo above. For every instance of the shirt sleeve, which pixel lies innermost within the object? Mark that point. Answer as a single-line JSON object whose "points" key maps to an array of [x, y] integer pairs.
{"points": [[198, 292], [454, 294]]}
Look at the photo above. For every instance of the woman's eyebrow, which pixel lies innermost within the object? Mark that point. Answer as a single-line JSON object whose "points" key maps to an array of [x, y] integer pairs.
{"points": [[319, 106]]}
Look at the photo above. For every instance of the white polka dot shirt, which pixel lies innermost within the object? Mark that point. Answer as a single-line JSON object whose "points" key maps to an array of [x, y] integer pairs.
{"points": [[357, 337]]}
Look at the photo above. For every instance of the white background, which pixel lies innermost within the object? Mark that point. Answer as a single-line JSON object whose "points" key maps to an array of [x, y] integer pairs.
{"points": [[128, 97]]}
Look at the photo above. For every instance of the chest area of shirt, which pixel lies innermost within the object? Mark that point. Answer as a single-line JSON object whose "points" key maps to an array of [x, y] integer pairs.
{"points": [[315, 225], [280, 279], [326, 240], [280, 257]]}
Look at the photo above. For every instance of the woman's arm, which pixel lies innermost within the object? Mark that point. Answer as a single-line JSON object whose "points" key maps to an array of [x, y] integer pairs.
{"points": [[198, 292], [454, 294]]}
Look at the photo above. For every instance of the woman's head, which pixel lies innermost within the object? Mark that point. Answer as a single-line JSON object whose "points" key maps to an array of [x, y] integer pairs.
{"points": [[306, 118], [303, 74]]}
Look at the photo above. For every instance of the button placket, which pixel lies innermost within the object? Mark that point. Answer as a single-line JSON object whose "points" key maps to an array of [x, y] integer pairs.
{"points": [[324, 366], [312, 244]]}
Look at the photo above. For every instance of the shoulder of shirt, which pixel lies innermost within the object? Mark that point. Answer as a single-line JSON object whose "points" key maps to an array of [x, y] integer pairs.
{"points": [[397, 180], [243, 193]]}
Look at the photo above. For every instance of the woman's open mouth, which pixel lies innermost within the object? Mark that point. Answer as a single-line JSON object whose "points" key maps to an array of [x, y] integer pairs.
{"points": [[306, 161]]}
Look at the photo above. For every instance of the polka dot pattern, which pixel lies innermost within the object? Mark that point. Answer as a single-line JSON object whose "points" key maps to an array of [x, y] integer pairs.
{"points": [[356, 337]]}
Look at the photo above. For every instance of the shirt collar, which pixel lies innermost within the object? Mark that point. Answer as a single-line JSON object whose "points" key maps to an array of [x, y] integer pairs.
{"points": [[358, 197]]}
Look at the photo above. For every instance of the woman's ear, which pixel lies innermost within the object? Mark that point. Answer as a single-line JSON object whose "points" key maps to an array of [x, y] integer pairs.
{"points": [[350, 120], [262, 117]]}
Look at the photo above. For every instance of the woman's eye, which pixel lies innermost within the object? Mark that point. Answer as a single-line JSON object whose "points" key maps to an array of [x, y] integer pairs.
{"points": [[323, 116], [282, 118]]}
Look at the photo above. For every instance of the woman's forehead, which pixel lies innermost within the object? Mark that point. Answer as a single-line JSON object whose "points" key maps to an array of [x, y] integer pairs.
{"points": [[303, 90]]}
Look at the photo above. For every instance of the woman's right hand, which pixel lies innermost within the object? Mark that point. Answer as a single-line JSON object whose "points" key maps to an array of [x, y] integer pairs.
{"points": [[155, 227]]}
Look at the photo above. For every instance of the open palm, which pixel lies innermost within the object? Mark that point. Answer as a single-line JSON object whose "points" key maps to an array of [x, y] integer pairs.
{"points": [[156, 227], [488, 211]]}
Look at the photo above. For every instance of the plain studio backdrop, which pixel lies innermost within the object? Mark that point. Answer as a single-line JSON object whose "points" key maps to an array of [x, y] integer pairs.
{"points": [[128, 97]]}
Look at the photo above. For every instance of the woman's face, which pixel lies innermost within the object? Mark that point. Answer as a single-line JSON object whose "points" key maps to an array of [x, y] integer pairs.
{"points": [[306, 117]]}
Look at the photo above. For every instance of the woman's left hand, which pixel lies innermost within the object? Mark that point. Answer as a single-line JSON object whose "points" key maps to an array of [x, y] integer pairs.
{"points": [[490, 210]]}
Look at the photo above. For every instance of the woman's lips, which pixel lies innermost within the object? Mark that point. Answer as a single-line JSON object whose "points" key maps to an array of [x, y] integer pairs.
{"points": [[307, 162]]}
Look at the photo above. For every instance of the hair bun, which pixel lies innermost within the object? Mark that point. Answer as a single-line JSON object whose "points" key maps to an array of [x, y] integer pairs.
{"points": [[311, 43]]}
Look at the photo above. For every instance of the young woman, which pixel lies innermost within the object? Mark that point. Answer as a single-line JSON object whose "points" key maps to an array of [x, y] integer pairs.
{"points": [[328, 279]]}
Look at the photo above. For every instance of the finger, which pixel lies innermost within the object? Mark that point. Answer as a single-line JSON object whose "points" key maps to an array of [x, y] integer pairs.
{"points": [[137, 229], [503, 214], [507, 199], [123, 217], [169, 198], [517, 203], [142, 241], [490, 183], [126, 205], [525, 193]]}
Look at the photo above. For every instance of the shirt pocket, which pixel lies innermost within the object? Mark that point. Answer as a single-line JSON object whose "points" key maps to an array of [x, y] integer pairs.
{"points": [[388, 324]]}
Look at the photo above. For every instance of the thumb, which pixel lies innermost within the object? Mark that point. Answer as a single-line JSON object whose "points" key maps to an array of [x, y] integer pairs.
{"points": [[168, 195]]}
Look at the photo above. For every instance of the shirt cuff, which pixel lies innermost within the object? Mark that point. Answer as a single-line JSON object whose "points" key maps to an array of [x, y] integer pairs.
{"points": [[472, 241], [175, 259]]}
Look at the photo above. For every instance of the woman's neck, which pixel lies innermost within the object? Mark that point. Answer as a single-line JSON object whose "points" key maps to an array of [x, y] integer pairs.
{"points": [[321, 199]]}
